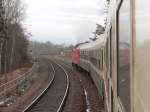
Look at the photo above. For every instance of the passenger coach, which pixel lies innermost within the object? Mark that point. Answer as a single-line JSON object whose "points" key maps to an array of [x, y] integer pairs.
{"points": [[119, 60]]}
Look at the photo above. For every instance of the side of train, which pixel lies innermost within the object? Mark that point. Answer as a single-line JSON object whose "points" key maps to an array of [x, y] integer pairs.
{"points": [[119, 60]]}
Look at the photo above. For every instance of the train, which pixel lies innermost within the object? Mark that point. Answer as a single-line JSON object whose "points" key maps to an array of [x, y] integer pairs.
{"points": [[118, 61]]}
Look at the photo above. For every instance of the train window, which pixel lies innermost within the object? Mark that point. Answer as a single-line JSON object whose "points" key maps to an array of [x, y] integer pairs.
{"points": [[107, 54], [112, 99], [95, 62], [100, 64], [124, 37], [110, 54], [108, 90], [102, 60]]}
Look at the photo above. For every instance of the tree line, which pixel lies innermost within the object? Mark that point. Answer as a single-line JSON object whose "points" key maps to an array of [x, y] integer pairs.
{"points": [[47, 48], [13, 36]]}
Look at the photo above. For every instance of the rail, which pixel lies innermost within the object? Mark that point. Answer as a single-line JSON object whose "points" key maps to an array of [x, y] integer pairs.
{"points": [[14, 83], [28, 108], [60, 107], [67, 89]]}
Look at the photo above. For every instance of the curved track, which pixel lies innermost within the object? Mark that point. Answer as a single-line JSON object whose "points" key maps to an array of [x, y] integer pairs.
{"points": [[52, 99]]}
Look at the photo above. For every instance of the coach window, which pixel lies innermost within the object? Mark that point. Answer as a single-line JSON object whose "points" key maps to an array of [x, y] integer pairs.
{"points": [[102, 60], [124, 37], [110, 50], [112, 99]]}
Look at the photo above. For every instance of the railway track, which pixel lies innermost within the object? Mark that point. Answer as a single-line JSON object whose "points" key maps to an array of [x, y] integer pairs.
{"points": [[52, 99], [93, 102]]}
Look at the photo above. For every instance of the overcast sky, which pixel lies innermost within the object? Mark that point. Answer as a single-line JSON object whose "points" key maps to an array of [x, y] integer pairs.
{"points": [[63, 21]]}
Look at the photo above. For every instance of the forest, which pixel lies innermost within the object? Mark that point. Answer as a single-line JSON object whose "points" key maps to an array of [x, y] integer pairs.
{"points": [[44, 48], [13, 36]]}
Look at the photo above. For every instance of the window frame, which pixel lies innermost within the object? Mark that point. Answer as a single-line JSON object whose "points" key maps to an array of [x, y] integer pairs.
{"points": [[120, 3]]}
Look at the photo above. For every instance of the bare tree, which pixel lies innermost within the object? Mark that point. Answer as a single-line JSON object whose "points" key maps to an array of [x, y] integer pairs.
{"points": [[2, 31], [14, 12], [13, 45]]}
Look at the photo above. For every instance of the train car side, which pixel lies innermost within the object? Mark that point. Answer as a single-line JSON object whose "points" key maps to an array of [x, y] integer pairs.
{"points": [[121, 69]]}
